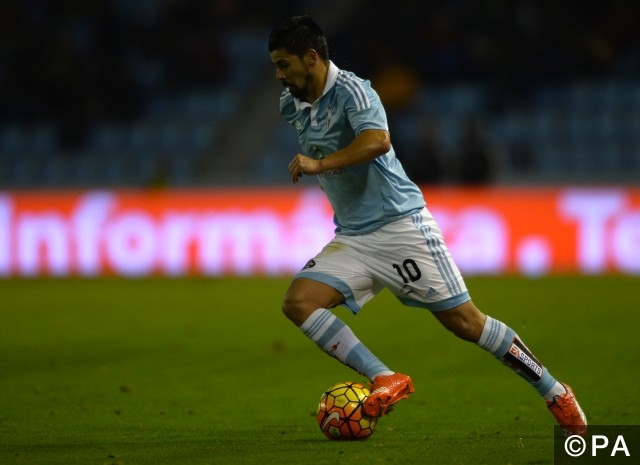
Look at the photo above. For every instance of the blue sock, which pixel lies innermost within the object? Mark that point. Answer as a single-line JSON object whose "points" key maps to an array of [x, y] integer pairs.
{"points": [[337, 340], [507, 347]]}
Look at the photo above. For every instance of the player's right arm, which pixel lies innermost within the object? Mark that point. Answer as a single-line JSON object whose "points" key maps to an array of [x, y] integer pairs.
{"points": [[367, 146]]}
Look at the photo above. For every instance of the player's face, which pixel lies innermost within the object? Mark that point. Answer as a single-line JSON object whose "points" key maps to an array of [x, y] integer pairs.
{"points": [[293, 72]]}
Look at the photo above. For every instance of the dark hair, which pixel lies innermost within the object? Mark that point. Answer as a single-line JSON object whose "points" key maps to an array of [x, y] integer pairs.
{"points": [[297, 35]]}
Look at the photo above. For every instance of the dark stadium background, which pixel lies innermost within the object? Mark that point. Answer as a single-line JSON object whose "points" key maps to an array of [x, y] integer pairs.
{"points": [[117, 93]]}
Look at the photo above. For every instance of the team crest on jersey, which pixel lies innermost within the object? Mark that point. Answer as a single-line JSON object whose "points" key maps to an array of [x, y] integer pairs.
{"points": [[297, 125], [329, 114]]}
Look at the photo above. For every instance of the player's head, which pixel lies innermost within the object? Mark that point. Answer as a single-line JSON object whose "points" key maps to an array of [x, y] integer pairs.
{"points": [[297, 36], [296, 48]]}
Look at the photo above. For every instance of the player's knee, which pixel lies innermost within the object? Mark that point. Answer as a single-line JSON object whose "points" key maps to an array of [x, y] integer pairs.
{"points": [[289, 308], [294, 308], [467, 331], [465, 321], [305, 296]]}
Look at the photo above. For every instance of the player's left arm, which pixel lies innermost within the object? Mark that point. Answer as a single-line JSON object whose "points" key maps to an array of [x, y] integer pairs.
{"points": [[367, 146]]}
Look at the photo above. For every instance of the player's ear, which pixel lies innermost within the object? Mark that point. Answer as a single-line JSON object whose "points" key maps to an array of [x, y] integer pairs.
{"points": [[311, 57]]}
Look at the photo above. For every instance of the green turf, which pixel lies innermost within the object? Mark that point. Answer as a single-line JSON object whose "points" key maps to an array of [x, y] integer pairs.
{"points": [[197, 371]]}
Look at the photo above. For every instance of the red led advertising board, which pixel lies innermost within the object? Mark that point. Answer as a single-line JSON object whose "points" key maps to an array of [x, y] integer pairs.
{"points": [[490, 231]]}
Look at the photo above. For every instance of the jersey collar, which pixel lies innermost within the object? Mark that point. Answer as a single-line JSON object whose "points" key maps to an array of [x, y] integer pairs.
{"points": [[332, 77]]}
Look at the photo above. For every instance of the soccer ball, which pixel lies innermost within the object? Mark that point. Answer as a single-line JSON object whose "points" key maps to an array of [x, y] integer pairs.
{"points": [[340, 415]]}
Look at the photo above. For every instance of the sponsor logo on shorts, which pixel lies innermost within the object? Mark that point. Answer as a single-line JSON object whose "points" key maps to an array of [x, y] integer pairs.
{"points": [[432, 292], [310, 264]]}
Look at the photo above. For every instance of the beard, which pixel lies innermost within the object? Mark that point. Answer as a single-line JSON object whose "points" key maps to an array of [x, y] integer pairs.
{"points": [[298, 93]]}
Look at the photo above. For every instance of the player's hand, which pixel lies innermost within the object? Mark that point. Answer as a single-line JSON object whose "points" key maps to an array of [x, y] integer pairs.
{"points": [[302, 164]]}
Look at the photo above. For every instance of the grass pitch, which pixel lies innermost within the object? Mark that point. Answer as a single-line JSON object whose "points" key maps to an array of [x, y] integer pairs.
{"points": [[207, 371]]}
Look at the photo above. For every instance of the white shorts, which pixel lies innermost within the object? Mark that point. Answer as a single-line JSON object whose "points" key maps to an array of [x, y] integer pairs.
{"points": [[409, 257]]}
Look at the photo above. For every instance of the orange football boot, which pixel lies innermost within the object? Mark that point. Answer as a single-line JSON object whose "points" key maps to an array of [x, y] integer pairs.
{"points": [[567, 411], [385, 392]]}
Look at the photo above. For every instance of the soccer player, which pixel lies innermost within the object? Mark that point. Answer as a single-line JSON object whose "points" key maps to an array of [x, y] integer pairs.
{"points": [[385, 236]]}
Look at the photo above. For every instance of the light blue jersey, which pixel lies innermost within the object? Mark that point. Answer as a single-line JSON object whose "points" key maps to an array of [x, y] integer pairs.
{"points": [[364, 197]]}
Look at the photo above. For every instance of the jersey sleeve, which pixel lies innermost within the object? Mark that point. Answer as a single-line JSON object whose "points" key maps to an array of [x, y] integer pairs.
{"points": [[287, 107], [363, 107]]}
